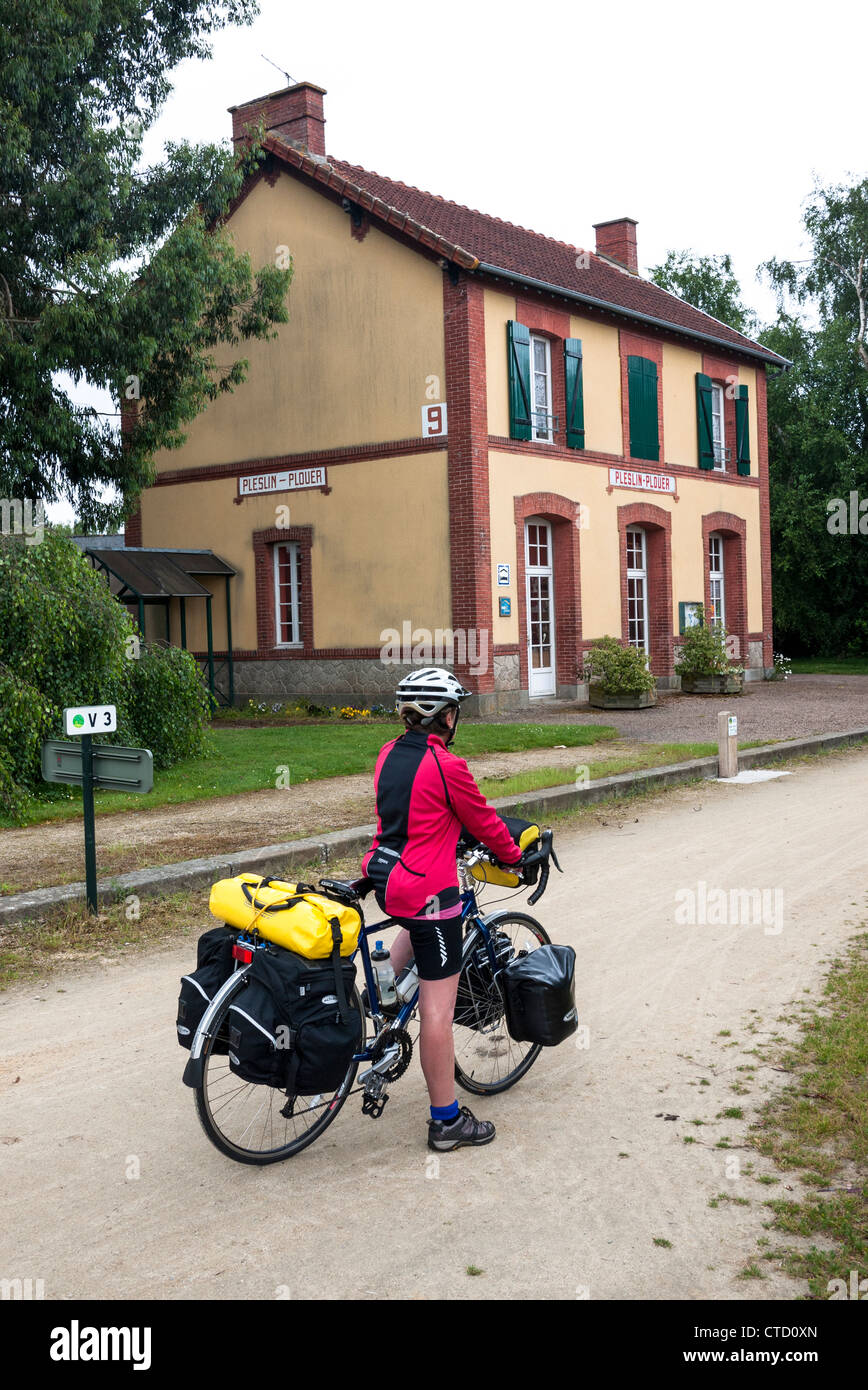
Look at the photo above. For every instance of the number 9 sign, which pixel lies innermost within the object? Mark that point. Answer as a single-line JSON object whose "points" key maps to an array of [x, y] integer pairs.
{"points": [[434, 421]]}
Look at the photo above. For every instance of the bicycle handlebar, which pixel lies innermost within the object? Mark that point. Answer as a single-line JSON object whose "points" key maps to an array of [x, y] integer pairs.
{"points": [[542, 857]]}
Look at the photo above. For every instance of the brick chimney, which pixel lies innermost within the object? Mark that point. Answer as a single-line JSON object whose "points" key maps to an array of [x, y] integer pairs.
{"points": [[293, 113], [617, 240]]}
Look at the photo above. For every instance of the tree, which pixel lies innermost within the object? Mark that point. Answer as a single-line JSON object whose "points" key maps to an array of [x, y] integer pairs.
{"points": [[708, 283], [818, 432], [119, 276]]}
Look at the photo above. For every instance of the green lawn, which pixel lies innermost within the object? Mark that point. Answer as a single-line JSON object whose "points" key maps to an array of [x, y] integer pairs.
{"points": [[247, 760], [831, 665], [652, 755]]}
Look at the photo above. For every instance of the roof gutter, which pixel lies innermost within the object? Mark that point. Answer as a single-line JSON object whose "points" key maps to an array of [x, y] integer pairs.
{"points": [[578, 298]]}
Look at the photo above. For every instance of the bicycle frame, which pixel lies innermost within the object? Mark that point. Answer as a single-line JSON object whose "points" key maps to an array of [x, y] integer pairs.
{"points": [[469, 912]]}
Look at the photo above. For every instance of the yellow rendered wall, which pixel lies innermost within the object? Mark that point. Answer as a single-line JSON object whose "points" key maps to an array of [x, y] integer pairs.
{"points": [[600, 560], [499, 309], [601, 378], [365, 330], [680, 443], [380, 549]]}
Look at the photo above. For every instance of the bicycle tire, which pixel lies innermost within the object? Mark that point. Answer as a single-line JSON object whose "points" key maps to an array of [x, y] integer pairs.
{"points": [[216, 1071], [475, 996]]}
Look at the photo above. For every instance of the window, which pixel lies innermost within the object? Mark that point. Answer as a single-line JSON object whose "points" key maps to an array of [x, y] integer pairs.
{"points": [[637, 606], [287, 595], [717, 437], [717, 615], [541, 372]]}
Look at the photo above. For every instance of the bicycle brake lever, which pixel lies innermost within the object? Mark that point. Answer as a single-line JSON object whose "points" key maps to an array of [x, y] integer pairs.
{"points": [[555, 860]]}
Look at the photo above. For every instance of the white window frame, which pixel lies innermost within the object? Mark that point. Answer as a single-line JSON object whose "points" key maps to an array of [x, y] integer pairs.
{"points": [[640, 577], [295, 611], [716, 580], [541, 436], [718, 436]]}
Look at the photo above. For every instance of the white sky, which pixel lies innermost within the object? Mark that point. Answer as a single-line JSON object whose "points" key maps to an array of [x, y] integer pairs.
{"points": [[707, 124]]}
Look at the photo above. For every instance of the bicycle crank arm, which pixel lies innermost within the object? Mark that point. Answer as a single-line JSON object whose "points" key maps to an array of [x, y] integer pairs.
{"points": [[382, 1065]]}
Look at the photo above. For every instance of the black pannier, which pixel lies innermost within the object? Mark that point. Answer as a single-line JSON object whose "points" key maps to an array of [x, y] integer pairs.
{"points": [[539, 998], [295, 1025], [214, 964]]}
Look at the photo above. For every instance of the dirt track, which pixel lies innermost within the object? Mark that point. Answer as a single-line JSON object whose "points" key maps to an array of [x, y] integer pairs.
{"points": [[90, 1081]]}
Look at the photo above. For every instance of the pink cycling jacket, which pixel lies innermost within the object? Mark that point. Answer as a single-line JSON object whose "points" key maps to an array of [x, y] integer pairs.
{"points": [[425, 794]]}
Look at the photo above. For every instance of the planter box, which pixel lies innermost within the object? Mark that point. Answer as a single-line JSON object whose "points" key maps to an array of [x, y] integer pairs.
{"points": [[600, 700], [712, 685]]}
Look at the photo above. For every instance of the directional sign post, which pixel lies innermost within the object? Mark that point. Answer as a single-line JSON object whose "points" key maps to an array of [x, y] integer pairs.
{"points": [[82, 764]]}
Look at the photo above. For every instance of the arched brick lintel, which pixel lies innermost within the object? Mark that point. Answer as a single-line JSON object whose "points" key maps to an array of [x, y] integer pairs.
{"points": [[564, 515]]}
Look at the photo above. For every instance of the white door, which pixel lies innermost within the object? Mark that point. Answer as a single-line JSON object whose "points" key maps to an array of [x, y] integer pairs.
{"points": [[540, 608], [637, 596]]}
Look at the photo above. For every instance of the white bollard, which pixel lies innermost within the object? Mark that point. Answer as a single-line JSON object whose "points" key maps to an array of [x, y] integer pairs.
{"points": [[727, 744]]}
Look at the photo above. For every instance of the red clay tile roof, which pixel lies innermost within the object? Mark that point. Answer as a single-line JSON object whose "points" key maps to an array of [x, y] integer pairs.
{"points": [[473, 238]]}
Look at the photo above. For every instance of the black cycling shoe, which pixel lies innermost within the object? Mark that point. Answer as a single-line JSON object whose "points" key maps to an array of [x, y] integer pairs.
{"points": [[465, 1130]]}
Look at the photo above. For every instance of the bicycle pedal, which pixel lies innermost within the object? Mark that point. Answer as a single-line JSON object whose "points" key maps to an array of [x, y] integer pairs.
{"points": [[374, 1106]]}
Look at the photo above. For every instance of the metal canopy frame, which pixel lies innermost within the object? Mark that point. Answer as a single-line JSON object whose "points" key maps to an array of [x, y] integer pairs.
{"points": [[167, 575]]}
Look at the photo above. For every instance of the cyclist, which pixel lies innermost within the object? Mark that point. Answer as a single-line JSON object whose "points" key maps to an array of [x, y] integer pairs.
{"points": [[425, 795]]}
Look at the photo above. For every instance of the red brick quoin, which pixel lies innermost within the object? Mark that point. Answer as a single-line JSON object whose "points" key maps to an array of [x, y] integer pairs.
{"points": [[563, 516], [263, 550], [469, 522], [657, 525], [733, 529]]}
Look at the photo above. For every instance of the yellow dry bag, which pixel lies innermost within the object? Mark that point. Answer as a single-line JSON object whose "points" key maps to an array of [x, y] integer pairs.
{"points": [[292, 915]]}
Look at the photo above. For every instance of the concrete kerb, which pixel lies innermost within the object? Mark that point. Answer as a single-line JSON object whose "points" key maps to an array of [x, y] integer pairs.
{"points": [[275, 860]]}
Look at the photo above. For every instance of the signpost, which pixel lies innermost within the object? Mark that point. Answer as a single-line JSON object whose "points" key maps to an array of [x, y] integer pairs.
{"points": [[81, 764]]}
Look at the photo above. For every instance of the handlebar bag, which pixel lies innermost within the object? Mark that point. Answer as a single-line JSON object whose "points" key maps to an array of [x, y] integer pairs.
{"points": [[214, 965], [539, 995], [524, 833], [291, 915], [295, 1025]]}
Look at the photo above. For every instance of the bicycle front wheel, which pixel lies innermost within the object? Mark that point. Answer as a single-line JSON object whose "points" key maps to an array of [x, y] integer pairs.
{"points": [[260, 1124], [487, 1059]]}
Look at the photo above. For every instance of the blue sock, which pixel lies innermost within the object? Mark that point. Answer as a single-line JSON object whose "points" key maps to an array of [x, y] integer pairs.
{"points": [[445, 1113]]}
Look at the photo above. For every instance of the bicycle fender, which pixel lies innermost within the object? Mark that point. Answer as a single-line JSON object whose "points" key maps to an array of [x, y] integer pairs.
{"points": [[194, 1070]]}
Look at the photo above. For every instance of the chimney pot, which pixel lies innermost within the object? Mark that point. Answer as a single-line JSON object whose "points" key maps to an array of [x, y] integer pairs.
{"points": [[617, 241], [294, 113]]}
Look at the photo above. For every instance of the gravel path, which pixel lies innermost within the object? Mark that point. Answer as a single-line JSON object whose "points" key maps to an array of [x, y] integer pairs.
{"points": [[118, 1194], [794, 708]]}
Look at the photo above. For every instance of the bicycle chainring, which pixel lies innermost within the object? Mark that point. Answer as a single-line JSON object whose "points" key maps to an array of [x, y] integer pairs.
{"points": [[388, 1038]]}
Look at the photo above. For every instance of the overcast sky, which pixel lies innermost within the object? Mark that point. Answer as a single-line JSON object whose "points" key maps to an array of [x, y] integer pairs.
{"points": [[706, 124]]}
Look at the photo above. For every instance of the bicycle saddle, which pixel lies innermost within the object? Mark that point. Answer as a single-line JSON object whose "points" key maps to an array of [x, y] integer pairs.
{"points": [[355, 888]]}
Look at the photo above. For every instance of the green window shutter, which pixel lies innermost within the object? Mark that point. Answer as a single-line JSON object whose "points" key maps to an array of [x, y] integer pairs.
{"points": [[704, 426], [642, 397], [574, 393], [518, 347], [742, 432]]}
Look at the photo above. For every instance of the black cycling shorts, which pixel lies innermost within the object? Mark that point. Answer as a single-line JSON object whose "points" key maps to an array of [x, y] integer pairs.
{"points": [[436, 945]]}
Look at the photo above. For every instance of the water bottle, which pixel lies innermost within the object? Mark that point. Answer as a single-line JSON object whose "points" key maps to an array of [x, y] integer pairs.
{"points": [[385, 974], [407, 983]]}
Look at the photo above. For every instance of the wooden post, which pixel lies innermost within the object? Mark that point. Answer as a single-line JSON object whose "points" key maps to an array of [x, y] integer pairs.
{"points": [[727, 744]]}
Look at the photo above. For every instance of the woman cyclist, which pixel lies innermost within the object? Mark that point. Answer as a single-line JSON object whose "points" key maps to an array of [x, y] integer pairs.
{"points": [[425, 795]]}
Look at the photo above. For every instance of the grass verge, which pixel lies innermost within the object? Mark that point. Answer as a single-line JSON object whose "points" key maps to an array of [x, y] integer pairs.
{"points": [[817, 1129], [651, 755], [830, 666]]}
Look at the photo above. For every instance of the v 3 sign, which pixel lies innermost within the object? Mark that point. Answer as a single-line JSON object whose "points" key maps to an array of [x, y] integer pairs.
{"points": [[90, 719]]}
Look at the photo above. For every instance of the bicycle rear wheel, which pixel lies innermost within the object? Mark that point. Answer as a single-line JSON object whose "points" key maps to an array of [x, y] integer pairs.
{"points": [[250, 1123], [487, 1059]]}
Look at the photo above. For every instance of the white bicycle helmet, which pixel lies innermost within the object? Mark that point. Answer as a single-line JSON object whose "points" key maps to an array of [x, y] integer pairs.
{"points": [[428, 692]]}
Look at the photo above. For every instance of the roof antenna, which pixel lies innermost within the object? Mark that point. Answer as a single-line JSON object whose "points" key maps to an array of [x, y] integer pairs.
{"points": [[290, 80]]}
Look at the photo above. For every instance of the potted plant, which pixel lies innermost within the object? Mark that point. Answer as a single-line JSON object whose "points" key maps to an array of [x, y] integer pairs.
{"points": [[703, 662], [618, 676]]}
